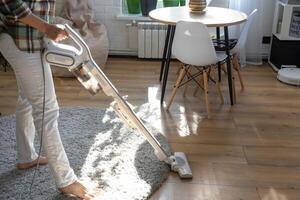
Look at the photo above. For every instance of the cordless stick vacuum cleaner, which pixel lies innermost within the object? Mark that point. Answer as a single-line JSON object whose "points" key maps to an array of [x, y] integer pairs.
{"points": [[81, 64]]}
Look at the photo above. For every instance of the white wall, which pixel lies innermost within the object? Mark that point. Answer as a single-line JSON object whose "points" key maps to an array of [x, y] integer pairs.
{"points": [[268, 15], [106, 12]]}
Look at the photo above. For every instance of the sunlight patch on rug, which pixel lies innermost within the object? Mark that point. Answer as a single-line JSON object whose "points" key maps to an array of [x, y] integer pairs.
{"points": [[101, 150]]}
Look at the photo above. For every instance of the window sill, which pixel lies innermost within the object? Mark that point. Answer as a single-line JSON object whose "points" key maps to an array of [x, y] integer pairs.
{"points": [[134, 17]]}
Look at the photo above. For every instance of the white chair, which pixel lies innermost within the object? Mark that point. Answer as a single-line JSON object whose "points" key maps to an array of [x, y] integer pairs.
{"points": [[193, 47], [241, 44]]}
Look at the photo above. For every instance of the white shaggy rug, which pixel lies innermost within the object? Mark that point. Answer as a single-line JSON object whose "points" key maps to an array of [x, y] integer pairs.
{"points": [[100, 149]]}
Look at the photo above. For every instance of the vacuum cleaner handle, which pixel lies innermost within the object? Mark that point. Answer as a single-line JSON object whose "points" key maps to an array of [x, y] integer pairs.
{"points": [[65, 55], [84, 49], [72, 35]]}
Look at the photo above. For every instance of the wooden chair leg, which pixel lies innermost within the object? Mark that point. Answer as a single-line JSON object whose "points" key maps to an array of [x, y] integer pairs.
{"points": [[237, 67], [224, 68], [178, 81], [205, 80], [233, 82], [187, 84], [218, 87], [233, 89]]}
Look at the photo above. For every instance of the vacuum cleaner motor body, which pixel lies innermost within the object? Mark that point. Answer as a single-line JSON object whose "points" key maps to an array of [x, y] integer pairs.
{"points": [[289, 75]]}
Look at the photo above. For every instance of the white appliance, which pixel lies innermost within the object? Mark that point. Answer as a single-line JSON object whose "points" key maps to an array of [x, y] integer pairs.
{"points": [[81, 64], [289, 75]]}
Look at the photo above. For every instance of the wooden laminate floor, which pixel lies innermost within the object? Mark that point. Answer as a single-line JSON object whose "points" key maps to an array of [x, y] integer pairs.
{"points": [[250, 151]]}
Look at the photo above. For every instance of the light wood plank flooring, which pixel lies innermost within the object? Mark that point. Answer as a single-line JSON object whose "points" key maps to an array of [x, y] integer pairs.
{"points": [[250, 151]]}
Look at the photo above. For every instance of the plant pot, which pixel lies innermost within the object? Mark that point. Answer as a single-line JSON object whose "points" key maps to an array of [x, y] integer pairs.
{"points": [[171, 3], [147, 6], [134, 6], [182, 2]]}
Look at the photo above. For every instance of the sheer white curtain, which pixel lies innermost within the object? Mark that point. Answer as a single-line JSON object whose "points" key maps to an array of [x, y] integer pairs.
{"points": [[253, 52]]}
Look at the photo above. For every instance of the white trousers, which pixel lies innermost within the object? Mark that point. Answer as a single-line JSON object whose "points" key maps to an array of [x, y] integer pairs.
{"points": [[29, 74]]}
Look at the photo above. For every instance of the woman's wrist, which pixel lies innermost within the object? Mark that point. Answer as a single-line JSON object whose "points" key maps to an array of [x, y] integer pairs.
{"points": [[35, 22], [43, 27]]}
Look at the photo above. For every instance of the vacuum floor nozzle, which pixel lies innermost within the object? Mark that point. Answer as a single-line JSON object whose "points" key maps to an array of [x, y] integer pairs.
{"points": [[181, 165]]}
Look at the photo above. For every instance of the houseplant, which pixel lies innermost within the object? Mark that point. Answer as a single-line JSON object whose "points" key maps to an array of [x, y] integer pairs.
{"points": [[182, 2], [134, 6], [147, 6], [171, 3]]}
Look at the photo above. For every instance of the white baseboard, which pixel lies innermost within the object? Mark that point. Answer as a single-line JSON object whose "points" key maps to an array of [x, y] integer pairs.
{"points": [[123, 53]]}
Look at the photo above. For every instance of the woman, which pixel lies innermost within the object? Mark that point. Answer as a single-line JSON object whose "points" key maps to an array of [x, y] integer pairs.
{"points": [[24, 24]]}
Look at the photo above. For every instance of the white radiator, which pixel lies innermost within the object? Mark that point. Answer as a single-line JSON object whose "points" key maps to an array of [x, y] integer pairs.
{"points": [[151, 39]]}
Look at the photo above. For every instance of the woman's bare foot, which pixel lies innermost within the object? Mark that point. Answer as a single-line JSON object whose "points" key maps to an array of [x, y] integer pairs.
{"points": [[77, 189], [42, 161]]}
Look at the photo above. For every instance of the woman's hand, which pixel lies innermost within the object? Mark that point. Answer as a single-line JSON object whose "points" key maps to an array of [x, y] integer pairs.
{"points": [[56, 32]]}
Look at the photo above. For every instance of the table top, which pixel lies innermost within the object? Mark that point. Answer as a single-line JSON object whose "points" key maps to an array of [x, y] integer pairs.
{"points": [[213, 16]]}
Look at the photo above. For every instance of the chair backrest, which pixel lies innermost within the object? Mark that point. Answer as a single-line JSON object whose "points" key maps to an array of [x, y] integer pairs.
{"points": [[219, 3], [244, 33], [192, 44]]}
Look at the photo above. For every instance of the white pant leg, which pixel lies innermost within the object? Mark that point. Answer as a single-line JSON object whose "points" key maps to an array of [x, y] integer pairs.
{"points": [[29, 73], [25, 131]]}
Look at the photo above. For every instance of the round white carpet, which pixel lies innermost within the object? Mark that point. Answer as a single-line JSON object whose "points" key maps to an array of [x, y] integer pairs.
{"points": [[100, 149]]}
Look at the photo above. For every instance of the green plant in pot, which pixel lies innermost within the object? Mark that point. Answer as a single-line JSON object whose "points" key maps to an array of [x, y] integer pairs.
{"points": [[134, 6], [147, 6], [182, 2], [171, 3]]}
